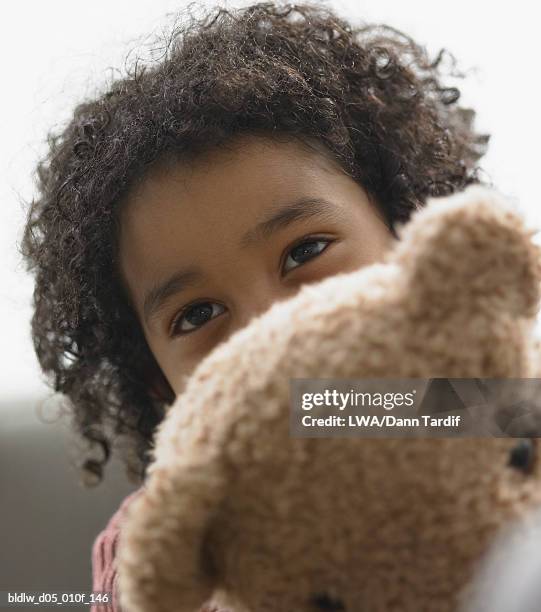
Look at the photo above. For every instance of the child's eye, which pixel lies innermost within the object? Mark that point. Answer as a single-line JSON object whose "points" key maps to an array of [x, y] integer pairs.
{"points": [[305, 251], [195, 316]]}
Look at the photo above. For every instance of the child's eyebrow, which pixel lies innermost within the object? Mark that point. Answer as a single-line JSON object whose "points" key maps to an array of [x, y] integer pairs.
{"points": [[301, 208], [157, 296]]}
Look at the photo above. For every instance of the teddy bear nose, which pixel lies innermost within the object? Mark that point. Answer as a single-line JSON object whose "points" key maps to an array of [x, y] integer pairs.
{"points": [[322, 601], [522, 456]]}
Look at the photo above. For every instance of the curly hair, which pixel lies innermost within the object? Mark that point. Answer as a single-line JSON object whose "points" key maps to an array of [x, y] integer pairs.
{"points": [[369, 94]]}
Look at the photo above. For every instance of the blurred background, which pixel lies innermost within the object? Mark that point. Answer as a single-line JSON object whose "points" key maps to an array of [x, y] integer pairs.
{"points": [[57, 53]]}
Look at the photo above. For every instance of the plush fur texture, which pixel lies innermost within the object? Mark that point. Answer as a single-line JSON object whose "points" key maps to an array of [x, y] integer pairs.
{"points": [[237, 510]]}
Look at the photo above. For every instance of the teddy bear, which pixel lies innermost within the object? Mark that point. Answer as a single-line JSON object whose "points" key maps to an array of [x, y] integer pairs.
{"points": [[238, 511]]}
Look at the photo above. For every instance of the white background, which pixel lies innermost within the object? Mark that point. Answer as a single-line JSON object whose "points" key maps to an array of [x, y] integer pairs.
{"points": [[56, 53]]}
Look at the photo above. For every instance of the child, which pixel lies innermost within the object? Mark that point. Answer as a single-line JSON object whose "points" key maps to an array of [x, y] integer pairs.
{"points": [[270, 147]]}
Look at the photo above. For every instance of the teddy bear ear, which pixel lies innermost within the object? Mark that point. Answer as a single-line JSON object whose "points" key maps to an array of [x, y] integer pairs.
{"points": [[474, 242], [164, 552]]}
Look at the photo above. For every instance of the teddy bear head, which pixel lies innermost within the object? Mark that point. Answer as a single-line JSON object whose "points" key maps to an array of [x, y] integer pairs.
{"points": [[237, 509]]}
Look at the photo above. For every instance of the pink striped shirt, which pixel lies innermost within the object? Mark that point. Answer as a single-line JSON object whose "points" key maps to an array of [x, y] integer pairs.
{"points": [[103, 560]]}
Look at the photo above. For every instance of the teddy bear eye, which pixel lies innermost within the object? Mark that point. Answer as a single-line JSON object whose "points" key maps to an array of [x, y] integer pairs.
{"points": [[322, 601], [522, 455]]}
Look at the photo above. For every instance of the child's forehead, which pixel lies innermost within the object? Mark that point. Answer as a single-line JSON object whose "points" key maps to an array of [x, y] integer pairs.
{"points": [[188, 213], [248, 164]]}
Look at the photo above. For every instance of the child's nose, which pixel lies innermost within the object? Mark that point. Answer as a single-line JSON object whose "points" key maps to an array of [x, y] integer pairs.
{"points": [[259, 301]]}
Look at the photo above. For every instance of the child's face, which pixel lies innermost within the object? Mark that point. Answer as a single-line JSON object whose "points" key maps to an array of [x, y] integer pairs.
{"points": [[194, 217]]}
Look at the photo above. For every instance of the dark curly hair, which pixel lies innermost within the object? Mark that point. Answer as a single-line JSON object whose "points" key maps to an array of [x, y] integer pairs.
{"points": [[369, 94]]}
